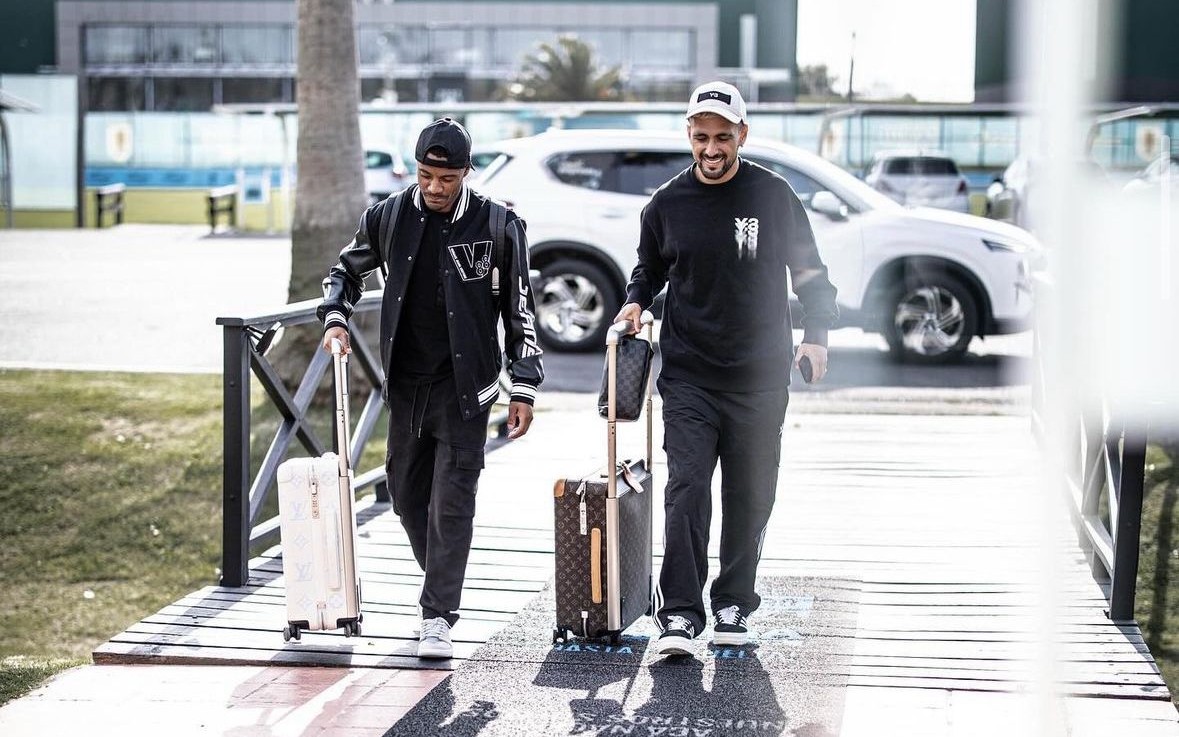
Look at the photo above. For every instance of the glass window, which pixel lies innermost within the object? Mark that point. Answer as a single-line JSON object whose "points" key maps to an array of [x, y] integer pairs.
{"points": [[256, 45], [659, 90], [184, 45], [479, 46], [488, 163], [238, 90], [881, 132], [513, 44], [393, 45], [116, 45], [803, 186], [377, 159], [667, 48], [929, 166], [935, 167], [448, 46], [182, 94], [587, 170], [961, 136], [606, 43], [643, 172], [113, 94], [999, 141], [904, 166]]}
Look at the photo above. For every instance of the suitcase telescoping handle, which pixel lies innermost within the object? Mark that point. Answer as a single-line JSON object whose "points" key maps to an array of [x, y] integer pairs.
{"points": [[343, 444], [613, 567]]}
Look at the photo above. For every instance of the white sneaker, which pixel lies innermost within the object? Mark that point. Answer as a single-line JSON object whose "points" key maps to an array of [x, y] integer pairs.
{"points": [[434, 641]]}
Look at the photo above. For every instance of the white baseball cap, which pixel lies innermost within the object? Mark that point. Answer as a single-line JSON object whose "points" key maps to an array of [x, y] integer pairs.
{"points": [[717, 97]]}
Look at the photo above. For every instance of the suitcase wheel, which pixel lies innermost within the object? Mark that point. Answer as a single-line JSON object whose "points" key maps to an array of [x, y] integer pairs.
{"points": [[290, 632], [352, 629], [558, 636], [615, 638]]}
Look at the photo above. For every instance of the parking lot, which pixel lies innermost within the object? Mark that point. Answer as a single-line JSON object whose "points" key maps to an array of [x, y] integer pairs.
{"points": [[145, 298]]}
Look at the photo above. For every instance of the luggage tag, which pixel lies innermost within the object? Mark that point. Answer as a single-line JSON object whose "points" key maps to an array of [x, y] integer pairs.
{"points": [[581, 508]]}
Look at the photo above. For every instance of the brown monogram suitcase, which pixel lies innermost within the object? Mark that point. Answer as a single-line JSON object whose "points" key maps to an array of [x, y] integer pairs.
{"points": [[602, 528]]}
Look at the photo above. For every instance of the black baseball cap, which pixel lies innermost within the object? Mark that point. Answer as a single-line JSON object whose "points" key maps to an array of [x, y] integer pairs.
{"points": [[451, 137]]}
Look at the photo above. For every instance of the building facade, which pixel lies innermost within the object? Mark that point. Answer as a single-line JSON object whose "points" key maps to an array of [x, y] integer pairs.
{"points": [[173, 55], [1141, 44]]}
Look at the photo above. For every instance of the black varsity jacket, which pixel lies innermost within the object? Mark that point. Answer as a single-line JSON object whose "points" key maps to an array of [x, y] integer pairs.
{"points": [[472, 309]]}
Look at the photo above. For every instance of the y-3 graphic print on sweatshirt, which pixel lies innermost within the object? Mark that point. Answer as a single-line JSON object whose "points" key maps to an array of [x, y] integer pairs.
{"points": [[724, 251]]}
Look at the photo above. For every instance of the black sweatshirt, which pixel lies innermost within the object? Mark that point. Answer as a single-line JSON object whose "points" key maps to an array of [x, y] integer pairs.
{"points": [[724, 251], [421, 349]]}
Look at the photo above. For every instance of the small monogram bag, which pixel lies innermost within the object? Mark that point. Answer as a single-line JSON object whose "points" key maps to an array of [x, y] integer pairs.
{"points": [[635, 356]]}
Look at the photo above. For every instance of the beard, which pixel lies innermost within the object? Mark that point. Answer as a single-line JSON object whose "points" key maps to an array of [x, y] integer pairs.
{"points": [[725, 165]]}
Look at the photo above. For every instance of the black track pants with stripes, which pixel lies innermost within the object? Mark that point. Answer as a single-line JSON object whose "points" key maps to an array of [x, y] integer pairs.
{"points": [[743, 430]]}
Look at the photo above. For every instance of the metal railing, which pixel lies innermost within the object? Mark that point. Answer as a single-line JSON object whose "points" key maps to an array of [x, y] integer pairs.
{"points": [[244, 496], [1112, 459], [1103, 470], [246, 341]]}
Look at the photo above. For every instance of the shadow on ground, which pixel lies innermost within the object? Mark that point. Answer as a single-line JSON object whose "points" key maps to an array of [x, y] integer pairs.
{"points": [[788, 683]]}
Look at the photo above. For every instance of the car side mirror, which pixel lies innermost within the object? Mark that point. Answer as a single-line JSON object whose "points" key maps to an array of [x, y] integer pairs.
{"points": [[828, 204]]}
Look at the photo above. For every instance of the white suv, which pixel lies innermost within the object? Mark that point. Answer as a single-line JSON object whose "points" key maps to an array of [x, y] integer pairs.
{"points": [[929, 280]]}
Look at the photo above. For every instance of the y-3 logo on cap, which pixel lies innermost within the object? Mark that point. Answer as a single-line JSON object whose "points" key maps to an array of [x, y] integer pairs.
{"points": [[473, 260], [746, 237]]}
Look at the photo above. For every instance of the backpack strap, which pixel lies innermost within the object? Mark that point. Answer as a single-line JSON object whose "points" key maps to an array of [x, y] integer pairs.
{"points": [[389, 215], [499, 218]]}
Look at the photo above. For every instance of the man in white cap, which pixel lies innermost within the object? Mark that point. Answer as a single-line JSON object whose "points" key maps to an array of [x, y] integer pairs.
{"points": [[722, 236]]}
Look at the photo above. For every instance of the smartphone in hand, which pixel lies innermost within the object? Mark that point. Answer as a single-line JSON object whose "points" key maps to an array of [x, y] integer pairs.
{"points": [[807, 370]]}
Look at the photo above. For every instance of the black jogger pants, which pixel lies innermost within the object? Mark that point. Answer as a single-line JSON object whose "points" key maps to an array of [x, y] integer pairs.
{"points": [[433, 466]]}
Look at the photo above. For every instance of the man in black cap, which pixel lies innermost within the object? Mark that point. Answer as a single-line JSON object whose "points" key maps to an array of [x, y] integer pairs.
{"points": [[455, 265]]}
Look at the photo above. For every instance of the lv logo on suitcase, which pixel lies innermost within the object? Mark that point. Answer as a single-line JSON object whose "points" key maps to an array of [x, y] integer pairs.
{"points": [[602, 525]]}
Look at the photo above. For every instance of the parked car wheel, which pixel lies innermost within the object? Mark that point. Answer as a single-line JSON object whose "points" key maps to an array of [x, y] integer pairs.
{"points": [[575, 302], [932, 321]]}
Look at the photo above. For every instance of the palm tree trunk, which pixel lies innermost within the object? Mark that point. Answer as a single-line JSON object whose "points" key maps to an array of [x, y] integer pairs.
{"points": [[329, 192], [329, 189]]}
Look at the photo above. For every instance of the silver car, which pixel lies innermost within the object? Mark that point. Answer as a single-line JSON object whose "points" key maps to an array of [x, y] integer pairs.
{"points": [[919, 178]]}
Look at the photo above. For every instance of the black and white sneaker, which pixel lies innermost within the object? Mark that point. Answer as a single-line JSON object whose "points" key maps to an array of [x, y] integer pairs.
{"points": [[731, 627], [676, 638]]}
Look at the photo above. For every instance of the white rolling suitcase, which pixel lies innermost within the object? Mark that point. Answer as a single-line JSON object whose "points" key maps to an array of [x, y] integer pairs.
{"points": [[319, 531]]}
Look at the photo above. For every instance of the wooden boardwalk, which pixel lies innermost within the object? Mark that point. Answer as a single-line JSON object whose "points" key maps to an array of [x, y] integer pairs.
{"points": [[968, 590]]}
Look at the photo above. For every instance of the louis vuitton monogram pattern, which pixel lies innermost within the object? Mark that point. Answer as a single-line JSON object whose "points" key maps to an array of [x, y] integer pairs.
{"points": [[572, 580]]}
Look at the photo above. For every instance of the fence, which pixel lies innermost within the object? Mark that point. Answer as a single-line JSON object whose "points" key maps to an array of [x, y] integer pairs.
{"points": [[246, 341], [1103, 471], [244, 495]]}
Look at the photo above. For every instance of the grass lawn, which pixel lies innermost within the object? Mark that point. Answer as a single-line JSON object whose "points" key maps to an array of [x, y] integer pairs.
{"points": [[112, 497]]}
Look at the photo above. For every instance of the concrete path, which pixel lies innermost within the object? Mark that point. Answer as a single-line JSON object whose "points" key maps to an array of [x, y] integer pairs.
{"points": [[131, 298]]}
